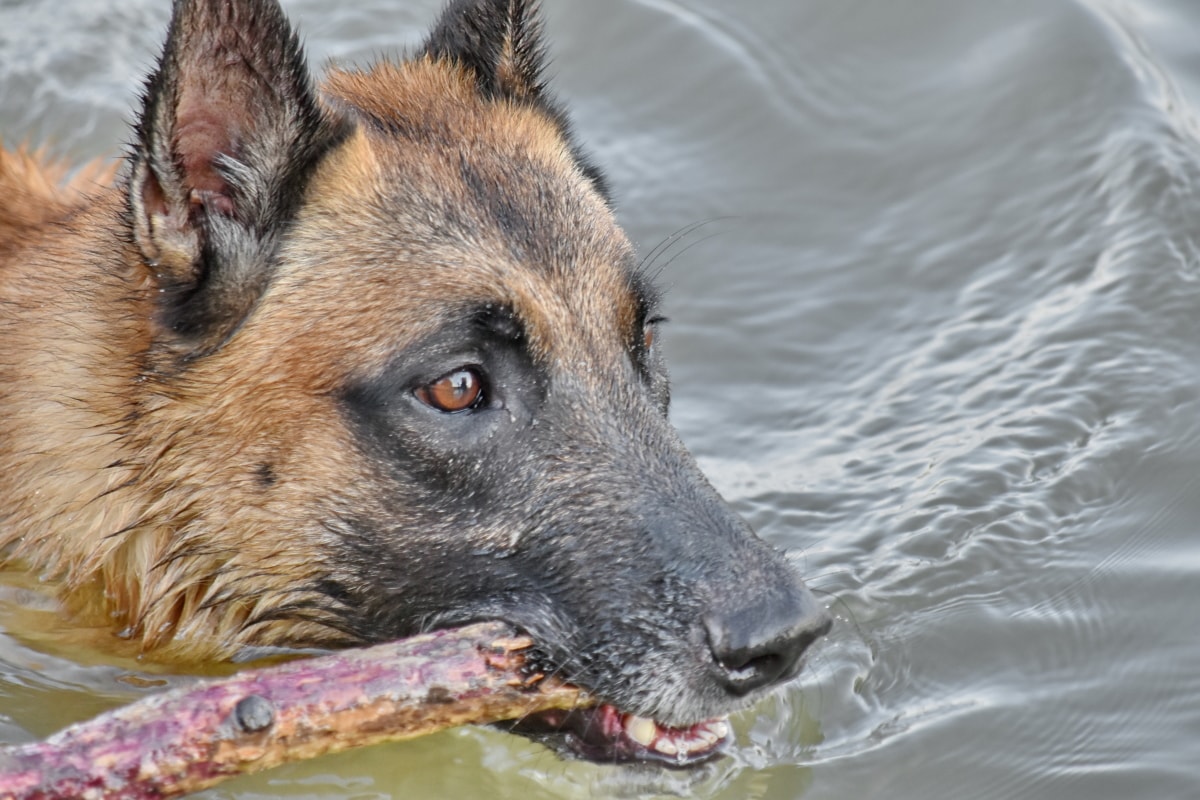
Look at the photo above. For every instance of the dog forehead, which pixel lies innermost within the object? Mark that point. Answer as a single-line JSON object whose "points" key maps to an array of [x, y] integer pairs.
{"points": [[441, 202], [437, 159]]}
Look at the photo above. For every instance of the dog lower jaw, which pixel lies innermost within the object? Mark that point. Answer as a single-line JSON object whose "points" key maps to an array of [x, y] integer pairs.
{"points": [[605, 734]]}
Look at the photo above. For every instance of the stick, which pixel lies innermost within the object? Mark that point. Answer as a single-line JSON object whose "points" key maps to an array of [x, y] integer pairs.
{"points": [[190, 738]]}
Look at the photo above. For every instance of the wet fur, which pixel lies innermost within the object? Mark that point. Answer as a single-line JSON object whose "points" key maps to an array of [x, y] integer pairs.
{"points": [[207, 426]]}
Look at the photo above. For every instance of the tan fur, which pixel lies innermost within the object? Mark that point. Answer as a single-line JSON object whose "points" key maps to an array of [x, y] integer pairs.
{"points": [[35, 190], [136, 490]]}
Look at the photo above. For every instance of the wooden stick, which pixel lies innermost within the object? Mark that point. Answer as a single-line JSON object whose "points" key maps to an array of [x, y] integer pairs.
{"points": [[190, 738]]}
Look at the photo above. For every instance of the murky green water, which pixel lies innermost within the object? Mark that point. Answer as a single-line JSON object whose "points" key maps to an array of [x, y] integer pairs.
{"points": [[940, 337]]}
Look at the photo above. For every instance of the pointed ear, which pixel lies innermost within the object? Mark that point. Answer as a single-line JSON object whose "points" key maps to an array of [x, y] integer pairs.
{"points": [[229, 135], [500, 41]]}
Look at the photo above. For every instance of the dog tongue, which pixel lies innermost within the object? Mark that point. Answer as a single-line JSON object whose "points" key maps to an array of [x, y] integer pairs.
{"points": [[604, 733]]}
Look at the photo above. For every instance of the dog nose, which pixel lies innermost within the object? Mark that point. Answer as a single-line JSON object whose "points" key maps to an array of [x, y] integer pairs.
{"points": [[764, 643]]}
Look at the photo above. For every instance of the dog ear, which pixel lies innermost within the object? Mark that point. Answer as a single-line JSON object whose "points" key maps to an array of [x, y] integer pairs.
{"points": [[229, 135], [500, 41]]}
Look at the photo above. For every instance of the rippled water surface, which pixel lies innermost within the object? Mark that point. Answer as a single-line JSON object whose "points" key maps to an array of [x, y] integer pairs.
{"points": [[939, 336]]}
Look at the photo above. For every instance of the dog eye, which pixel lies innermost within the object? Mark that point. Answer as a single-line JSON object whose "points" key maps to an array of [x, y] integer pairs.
{"points": [[455, 391], [650, 332]]}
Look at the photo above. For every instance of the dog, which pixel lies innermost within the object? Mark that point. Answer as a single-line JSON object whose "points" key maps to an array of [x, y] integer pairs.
{"points": [[332, 364]]}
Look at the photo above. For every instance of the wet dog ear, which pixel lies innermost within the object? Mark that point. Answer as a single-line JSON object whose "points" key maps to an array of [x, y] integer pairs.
{"points": [[229, 134], [500, 41]]}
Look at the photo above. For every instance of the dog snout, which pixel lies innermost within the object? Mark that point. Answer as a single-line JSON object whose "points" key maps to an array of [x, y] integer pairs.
{"points": [[764, 643]]}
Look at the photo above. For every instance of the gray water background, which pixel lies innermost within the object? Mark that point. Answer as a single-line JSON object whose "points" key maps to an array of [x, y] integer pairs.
{"points": [[939, 338]]}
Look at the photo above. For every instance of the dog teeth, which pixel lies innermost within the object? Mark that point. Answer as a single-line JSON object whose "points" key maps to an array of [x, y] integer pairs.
{"points": [[675, 743], [666, 747], [641, 730]]}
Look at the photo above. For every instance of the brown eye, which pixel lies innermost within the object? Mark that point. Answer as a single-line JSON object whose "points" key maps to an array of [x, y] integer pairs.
{"points": [[455, 391]]}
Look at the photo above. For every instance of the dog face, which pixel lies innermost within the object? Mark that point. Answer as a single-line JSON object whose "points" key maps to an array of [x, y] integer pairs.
{"points": [[400, 372]]}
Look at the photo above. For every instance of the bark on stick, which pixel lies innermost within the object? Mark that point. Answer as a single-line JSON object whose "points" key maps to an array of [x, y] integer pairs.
{"points": [[190, 738]]}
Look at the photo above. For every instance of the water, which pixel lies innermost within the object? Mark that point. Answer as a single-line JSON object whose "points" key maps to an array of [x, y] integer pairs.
{"points": [[939, 336]]}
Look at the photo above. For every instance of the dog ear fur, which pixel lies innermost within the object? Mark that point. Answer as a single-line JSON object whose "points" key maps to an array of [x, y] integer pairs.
{"points": [[500, 41], [228, 137]]}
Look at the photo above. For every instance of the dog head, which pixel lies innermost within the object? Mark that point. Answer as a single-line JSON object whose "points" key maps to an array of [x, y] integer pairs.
{"points": [[404, 374]]}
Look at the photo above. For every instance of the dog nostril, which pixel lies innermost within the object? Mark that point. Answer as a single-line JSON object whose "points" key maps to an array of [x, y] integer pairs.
{"points": [[764, 644], [758, 671]]}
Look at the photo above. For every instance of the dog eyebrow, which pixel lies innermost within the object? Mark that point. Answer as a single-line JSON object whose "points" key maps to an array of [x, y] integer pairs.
{"points": [[500, 321]]}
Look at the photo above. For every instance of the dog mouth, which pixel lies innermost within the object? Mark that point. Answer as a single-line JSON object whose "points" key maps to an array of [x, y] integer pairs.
{"points": [[605, 734]]}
